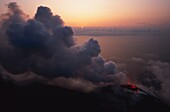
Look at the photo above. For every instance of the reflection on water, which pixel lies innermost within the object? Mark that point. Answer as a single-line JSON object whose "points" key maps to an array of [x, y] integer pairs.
{"points": [[144, 46]]}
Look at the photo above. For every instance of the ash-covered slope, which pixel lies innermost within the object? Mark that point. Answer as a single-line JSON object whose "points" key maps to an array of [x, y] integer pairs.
{"points": [[39, 97]]}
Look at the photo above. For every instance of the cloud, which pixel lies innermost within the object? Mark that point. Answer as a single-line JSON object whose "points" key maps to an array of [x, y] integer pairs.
{"points": [[43, 47], [162, 72], [138, 60], [152, 74], [74, 83], [45, 16]]}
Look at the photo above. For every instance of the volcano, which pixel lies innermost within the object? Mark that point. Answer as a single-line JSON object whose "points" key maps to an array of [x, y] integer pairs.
{"points": [[40, 97]]}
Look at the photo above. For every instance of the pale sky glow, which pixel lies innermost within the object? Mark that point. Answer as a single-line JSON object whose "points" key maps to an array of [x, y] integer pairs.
{"points": [[102, 12]]}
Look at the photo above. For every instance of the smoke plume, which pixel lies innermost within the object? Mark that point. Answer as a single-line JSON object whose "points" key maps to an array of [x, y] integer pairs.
{"points": [[43, 46]]}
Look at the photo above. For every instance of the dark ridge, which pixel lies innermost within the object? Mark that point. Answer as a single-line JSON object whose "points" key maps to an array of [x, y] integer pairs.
{"points": [[39, 97]]}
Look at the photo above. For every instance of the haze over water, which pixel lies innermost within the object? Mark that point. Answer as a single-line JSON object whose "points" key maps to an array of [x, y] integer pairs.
{"points": [[150, 46]]}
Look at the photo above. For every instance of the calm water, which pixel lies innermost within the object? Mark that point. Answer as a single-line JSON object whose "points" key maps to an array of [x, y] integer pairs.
{"points": [[143, 46]]}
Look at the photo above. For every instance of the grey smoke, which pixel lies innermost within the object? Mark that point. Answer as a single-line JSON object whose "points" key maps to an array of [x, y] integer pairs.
{"points": [[43, 46], [162, 72], [45, 16], [152, 74]]}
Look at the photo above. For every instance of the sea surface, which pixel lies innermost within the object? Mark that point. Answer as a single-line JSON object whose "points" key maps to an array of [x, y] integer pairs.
{"points": [[151, 47]]}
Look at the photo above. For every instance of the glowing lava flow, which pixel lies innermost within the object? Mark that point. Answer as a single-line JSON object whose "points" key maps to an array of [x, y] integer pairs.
{"points": [[130, 87]]}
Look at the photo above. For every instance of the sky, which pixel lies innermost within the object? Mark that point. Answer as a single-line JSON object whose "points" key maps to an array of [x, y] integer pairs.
{"points": [[102, 12]]}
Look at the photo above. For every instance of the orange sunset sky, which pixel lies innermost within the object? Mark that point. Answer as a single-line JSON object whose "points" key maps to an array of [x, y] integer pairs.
{"points": [[102, 13]]}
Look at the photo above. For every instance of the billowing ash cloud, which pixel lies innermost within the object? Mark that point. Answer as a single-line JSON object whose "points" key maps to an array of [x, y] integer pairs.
{"points": [[161, 70], [43, 46], [45, 16]]}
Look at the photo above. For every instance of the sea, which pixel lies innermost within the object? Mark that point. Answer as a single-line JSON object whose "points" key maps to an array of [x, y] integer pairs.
{"points": [[145, 46]]}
